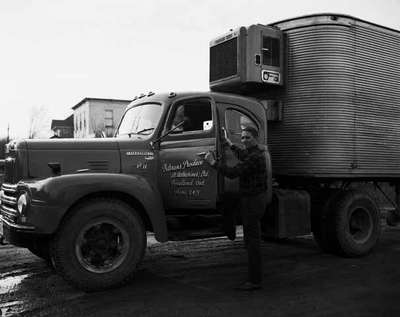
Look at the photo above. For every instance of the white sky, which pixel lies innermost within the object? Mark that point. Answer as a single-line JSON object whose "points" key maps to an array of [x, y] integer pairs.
{"points": [[53, 53]]}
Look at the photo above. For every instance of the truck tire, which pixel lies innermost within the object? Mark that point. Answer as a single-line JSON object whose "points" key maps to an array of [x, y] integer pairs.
{"points": [[356, 226], [99, 245]]}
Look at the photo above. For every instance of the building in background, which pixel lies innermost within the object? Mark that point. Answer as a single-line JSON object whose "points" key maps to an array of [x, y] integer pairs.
{"points": [[63, 128], [97, 117]]}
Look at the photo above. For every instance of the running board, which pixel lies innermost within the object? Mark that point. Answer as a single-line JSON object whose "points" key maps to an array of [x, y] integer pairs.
{"points": [[195, 234]]}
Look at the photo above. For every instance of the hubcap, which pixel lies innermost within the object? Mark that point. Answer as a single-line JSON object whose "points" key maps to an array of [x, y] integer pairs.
{"points": [[102, 246], [360, 225]]}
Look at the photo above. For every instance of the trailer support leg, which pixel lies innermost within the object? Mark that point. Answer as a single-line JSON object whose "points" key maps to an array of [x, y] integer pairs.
{"points": [[393, 216]]}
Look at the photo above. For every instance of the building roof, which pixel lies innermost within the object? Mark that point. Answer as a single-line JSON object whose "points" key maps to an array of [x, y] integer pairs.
{"points": [[57, 123], [68, 122], [97, 99]]}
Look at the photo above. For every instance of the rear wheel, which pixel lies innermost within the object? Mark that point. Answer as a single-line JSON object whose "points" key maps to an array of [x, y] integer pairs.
{"points": [[357, 224], [347, 224], [99, 245]]}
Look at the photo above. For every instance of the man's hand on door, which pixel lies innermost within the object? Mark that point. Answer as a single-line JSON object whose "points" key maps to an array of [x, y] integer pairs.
{"points": [[210, 158], [225, 137]]}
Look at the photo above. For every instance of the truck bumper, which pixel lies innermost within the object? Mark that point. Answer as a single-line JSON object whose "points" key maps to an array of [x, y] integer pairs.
{"points": [[16, 234], [41, 221]]}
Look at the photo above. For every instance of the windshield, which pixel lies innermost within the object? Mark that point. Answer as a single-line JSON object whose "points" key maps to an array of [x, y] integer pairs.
{"points": [[140, 120]]}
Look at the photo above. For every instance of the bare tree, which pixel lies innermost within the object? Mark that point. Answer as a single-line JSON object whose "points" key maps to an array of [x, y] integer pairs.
{"points": [[97, 128], [3, 142], [38, 122], [100, 130]]}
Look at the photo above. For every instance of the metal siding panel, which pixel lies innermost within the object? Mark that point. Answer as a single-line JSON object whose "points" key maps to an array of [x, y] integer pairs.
{"points": [[316, 135], [377, 100], [341, 103]]}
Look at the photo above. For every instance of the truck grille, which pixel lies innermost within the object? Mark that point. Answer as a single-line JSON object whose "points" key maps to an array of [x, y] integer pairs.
{"points": [[9, 170], [8, 205], [223, 60]]}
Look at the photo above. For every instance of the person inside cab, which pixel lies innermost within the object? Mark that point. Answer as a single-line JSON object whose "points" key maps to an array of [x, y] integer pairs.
{"points": [[181, 122]]}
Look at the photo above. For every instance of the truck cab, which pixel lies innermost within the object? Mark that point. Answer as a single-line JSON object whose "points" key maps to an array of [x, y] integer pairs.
{"points": [[175, 131], [86, 205]]}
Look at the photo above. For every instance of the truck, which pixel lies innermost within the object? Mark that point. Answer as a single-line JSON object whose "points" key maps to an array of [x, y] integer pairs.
{"points": [[322, 90]]}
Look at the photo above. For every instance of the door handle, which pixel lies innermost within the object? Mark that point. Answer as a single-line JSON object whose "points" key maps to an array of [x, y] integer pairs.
{"points": [[217, 157]]}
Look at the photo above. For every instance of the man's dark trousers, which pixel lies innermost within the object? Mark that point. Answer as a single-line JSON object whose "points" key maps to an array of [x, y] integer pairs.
{"points": [[252, 210]]}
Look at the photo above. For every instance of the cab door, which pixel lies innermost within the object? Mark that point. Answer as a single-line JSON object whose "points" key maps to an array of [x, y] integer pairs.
{"points": [[234, 119], [185, 180]]}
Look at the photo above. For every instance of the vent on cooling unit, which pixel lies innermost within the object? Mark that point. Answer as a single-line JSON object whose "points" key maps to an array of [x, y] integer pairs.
{"points": [[223, 58], [98, 166], [247, 57]]}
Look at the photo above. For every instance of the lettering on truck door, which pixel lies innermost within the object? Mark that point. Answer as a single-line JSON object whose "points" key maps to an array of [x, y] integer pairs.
{"points": [[185, 180]]}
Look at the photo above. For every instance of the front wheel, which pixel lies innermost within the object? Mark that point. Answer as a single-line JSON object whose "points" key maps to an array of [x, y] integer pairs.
{"points": [[99, 245]]}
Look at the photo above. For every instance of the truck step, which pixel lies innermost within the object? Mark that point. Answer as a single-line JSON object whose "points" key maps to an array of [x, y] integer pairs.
{"points": [[195, 234]]}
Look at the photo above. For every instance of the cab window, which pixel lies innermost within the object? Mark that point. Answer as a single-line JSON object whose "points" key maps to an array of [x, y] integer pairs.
{"points": [[191, 117], [140, 120], [235, 122]]}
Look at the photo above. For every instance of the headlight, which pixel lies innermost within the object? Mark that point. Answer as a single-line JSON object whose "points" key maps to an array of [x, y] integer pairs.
{"points": [[22, 202]]}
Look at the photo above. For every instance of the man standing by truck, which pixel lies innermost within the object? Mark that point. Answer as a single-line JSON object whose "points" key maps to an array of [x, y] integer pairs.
{"points": [[252, 173]]}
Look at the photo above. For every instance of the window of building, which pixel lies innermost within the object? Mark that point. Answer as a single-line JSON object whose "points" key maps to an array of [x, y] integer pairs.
{"points": [[109, 118]]}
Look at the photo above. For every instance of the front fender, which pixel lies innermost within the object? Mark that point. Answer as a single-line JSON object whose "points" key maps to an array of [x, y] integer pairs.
{"points": [[59, 193]]}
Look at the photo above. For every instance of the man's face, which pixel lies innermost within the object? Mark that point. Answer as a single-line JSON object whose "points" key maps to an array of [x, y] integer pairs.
{"points": [[179, 115], [247, 139]]}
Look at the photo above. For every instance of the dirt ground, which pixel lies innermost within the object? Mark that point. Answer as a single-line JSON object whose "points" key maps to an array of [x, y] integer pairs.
{"points": [[197, 278]]}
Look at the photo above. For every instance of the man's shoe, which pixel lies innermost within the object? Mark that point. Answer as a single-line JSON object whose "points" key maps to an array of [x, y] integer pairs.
{"points": [[249, 286], [231, 235], [229, 228]]}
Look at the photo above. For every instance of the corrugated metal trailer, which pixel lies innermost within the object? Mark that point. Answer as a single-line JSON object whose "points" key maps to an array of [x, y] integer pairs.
{"points": [[331, 87], [341, 99]]}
